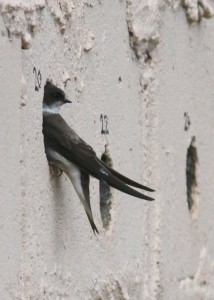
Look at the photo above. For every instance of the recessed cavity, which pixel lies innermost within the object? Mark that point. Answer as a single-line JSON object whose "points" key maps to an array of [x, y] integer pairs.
{"points": [[191, 178], [105, 193]]}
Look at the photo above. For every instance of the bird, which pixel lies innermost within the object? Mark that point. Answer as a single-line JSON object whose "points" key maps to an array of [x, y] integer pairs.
{"points": [[69, 153]]}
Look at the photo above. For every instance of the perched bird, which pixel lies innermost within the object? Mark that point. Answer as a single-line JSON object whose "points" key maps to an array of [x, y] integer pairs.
{"points": [[69, 153]]}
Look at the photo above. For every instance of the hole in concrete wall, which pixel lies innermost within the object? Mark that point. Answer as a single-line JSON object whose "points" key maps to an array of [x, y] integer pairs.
{"points": [[147, 57], [26, 41], [105, 193], [191, 178]]}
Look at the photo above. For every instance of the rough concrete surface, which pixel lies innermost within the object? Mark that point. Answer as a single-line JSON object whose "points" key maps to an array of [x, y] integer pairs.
{"points": [[148, 67]]}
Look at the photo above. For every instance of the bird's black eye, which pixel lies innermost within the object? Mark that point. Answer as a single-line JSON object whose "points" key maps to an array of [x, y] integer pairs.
{"points": [[56, 95]]}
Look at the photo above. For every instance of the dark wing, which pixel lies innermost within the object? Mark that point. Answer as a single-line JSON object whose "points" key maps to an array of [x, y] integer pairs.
{"points": [[127, 180], [66, 142]]}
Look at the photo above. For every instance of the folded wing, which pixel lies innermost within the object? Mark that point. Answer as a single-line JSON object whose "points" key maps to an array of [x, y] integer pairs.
{"points": [[70, 145]]}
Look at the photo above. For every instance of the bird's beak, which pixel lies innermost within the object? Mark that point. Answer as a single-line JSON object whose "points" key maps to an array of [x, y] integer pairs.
{"points": [[67, 101]]}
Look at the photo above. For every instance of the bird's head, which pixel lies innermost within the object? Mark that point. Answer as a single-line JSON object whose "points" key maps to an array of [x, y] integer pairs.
{"points": [[53, 98]]}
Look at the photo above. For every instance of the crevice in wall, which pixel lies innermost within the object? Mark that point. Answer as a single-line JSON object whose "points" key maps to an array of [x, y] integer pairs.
{"points": [[144, 21], [144, 39], [22, 20], [191, 178], [105, 193], [197, 9]]}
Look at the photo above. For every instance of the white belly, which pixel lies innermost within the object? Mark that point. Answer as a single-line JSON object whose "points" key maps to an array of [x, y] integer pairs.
{"points": [[73, 172]]}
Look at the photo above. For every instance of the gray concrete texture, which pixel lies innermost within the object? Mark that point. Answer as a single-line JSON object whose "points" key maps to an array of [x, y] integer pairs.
{"points": [[147, 66]]}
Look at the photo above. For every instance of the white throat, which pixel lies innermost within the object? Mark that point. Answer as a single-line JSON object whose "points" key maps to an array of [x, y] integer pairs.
{"points": [[51, 109]]}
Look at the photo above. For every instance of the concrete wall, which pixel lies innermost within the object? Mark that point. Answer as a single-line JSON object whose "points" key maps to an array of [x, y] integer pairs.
{"points": [[147, 66]]}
